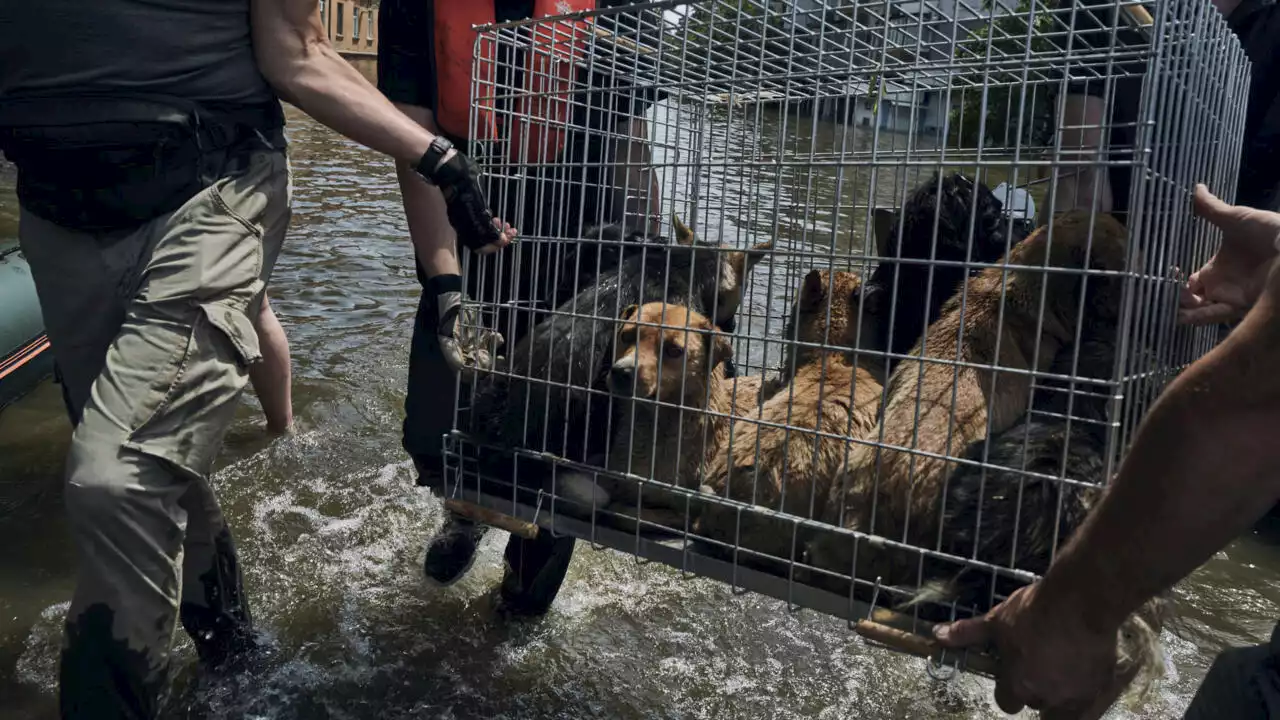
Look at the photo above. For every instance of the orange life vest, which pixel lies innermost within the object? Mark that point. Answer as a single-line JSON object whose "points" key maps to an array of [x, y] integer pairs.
{"points": [[535, 127]]}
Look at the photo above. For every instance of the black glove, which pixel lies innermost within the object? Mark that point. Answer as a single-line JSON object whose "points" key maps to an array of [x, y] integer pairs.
{"points": [[463, 342], [468, 210]]}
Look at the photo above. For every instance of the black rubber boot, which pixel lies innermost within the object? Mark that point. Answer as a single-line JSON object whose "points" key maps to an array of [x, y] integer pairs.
{"points": [[222, 628], [452, 552], [534, 571]]}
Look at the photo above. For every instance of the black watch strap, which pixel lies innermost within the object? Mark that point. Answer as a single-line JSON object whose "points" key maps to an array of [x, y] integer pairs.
{"points": [[439, 147]]}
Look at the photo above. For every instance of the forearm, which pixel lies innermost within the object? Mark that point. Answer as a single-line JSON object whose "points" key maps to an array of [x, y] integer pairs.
{"points": [[295, 57], [1080, 137], [434, 240], [1203, 467]]}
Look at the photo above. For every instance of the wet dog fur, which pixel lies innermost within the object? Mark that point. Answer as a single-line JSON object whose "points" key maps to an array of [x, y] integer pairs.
{"points": [[550, 393], [674, 402], [898, 494], [1045, 512], [1063, 435], [781, 466], [953, 202]]}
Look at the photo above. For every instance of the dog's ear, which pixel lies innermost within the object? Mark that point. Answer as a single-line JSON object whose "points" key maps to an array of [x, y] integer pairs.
{"points": [[629, 312], [721, 347], [753, 256], [684, 236], [813, 292]]}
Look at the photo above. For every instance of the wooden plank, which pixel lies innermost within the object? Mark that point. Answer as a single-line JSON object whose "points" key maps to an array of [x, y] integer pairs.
{"points": [[486, 516]]}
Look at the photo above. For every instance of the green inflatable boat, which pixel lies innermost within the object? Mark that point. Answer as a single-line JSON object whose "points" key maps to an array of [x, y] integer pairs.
{"points": [[25, 358]]}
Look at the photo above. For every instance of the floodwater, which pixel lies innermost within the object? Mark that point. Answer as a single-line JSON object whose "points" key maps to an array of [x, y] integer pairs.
{"points": [[331, 529]]}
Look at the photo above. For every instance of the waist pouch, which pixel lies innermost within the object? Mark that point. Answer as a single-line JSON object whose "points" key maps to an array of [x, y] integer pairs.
{"points": [[108, 164]]}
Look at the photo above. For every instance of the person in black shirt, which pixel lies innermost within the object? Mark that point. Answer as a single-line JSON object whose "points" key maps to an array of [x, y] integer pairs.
{"points": [[601, 175], [1255, 22]]}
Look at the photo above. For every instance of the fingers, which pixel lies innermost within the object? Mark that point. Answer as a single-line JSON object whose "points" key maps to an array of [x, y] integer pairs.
{"points": [[963, 633], [506, 236], [452, 354], [1196, 309], [1208, 206], [1190, 297], [1208, 313], [1195, 283]]}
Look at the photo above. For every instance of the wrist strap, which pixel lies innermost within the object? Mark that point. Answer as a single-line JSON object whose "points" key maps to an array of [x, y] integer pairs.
{"points": [[439, 147]]}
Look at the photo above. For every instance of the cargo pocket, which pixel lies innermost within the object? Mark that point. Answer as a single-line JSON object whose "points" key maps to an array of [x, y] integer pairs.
{"points": [[187, 427], [235, 325]]}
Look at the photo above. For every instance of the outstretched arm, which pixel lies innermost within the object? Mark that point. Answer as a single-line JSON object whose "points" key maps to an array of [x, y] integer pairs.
{"points": [[296, 58], [1203, 467]]}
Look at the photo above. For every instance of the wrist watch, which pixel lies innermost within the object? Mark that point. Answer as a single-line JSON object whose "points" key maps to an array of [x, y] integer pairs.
{"points": [[439, 147]]}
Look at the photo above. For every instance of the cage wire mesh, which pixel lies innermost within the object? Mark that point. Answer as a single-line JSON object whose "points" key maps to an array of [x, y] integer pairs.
{"points": [[788, 308]]}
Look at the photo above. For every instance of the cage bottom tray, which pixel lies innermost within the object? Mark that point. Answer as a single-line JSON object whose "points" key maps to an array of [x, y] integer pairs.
{"points": [[696, 558]]}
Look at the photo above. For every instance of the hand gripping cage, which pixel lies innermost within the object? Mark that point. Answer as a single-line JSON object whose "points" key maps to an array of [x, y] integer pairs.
{"points": [[856, 305]]}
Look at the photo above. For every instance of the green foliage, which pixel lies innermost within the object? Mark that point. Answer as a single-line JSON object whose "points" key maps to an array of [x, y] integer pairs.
{"points": [[1007, 93], [754, 27], [748, 20]]}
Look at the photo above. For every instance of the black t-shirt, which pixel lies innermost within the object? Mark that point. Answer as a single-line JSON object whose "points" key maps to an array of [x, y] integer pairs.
{"points": [[1257, 24]]}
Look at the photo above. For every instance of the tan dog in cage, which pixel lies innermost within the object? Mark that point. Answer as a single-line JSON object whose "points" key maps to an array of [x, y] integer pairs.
{"points": [[951, 398], [787, 455], [673, 404]]}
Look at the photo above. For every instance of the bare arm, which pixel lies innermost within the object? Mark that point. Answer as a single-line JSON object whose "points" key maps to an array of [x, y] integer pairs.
{"points": [[1204, 466], [424, 210], [1081, 135], [296, 58]]}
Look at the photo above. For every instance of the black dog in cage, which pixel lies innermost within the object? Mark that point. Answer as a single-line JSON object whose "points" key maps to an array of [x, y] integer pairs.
{"points": [[550, 394], [900, 317], [1030, 488], [1012, 508]]}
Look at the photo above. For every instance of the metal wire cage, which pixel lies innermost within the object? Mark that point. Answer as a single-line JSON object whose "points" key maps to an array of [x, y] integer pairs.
{"points": [[855, 304]]}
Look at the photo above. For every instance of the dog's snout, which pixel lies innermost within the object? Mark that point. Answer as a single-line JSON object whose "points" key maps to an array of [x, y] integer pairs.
{"points": [[622, 378]]}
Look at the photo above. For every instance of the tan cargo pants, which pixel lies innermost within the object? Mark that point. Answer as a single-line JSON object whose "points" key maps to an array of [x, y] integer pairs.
{"points": [[152, 333]]}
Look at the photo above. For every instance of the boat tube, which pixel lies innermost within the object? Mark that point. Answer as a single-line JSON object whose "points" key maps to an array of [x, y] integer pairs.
{"points": [[25, 356]]}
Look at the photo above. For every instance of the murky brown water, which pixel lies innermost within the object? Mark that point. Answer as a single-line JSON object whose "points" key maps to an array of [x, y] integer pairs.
{"points": [[331, 528]]}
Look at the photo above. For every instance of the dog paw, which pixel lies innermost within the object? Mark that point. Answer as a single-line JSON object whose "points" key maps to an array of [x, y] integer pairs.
{"points": [[581, 489]]}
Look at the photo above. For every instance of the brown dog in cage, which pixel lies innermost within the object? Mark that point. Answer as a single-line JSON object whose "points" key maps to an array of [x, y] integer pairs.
{"points": [[787, 455], [673, 406], [551, 394], [944, 410], [936, 408]]}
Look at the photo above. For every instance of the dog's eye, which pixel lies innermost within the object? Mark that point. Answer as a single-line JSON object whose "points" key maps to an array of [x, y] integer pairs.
{"points": [[672, 350], [627, 336]]}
